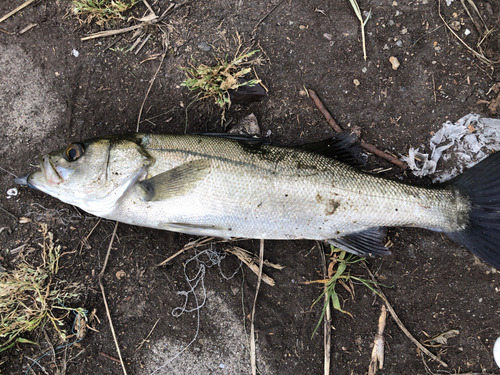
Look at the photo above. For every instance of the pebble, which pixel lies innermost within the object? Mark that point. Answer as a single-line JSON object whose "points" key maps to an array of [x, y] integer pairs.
{"points": [[356, 82], [364, 70], [204, 47], [395, 62], [328, 36], [399, 43]]}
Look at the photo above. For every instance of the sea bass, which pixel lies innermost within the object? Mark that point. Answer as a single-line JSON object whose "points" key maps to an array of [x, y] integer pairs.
{"points": [[216, 186]]}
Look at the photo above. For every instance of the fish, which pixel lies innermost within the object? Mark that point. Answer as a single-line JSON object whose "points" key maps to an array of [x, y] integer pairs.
{"points": [[239, 187]]}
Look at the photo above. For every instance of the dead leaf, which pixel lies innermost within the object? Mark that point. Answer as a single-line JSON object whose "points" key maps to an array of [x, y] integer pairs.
{"points": [[442, 339]]}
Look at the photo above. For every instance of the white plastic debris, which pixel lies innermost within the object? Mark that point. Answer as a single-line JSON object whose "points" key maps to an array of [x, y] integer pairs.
{"points": [[12, 192], [455, 147], [496, 352], [448, 2], [75, 53], [467, 32]]}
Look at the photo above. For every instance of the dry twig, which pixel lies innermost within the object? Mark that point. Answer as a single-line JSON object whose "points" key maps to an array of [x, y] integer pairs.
{"points": [[399, 323], [368, 147]]}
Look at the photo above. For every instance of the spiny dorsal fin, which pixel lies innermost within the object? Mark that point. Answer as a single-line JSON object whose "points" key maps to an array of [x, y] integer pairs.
{"points": [[366, 243], [176, 181]]}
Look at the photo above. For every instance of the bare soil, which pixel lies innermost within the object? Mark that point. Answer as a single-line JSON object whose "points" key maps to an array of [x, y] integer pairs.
{"points": [[50, 97]]}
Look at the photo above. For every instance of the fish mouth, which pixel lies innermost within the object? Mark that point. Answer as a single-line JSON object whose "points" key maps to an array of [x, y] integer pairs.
{"points": [[51, 173]]}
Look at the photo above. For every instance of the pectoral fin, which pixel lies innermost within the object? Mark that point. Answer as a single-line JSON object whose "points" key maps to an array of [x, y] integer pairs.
{"points": [[176, 181], [366, 243]]}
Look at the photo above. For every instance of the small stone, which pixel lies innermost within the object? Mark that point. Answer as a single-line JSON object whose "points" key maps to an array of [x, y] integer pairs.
{"points": [[247, 126], [356, 82], [394, 4], [395, 62], [386, 47], [204, 47], [404, 31], [456, 25], [399, 43], [328, 36], [467, 32], [302, 27], [364, 70], [391, 23]]}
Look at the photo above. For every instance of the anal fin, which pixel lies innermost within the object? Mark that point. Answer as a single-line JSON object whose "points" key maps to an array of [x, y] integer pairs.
{"points": [[366, 243]]}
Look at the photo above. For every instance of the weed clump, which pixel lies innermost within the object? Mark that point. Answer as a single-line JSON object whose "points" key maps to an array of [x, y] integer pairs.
{"points": [[217, 81], [338, 273], [31, 296], [102, 11]]}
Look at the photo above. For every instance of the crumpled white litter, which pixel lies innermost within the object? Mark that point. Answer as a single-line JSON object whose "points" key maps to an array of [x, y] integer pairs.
{"points": [[460, 145], [448, 2]]}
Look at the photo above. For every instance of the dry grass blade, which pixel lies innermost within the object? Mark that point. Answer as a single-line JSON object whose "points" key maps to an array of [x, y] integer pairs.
{"points": [[327, 337], [378, 345], [355, 6], [253, 360], [249, 259], [165, 49], [101, 274], [480, 56], [191, 245], [399, 323], [16, 10]]}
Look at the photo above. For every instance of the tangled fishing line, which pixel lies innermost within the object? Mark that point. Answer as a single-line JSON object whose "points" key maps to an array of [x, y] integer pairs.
{"points": [[204, 259]]}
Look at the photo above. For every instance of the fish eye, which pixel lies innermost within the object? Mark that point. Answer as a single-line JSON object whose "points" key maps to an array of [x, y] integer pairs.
{"points": [[74, 151]]}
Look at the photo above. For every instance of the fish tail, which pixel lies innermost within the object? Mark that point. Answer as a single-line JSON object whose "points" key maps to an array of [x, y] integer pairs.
{"points": [[481, 228]]}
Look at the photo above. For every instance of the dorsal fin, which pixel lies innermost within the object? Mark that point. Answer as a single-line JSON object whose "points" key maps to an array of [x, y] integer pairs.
{"points": [[341, 146]]}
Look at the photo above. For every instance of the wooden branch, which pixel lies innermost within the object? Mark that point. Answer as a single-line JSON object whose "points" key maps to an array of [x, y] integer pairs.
{"points": [[368, 147]]}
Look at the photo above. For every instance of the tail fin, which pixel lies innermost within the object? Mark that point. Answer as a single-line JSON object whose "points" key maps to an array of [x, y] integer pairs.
{"points": [[481, 184]]}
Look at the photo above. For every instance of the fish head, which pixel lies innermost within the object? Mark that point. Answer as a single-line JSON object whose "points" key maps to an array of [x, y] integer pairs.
{"points": [[92, 174]]}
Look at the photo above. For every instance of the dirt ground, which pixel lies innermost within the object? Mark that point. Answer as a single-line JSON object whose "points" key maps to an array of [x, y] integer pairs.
{"points": [[55, 88]]}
